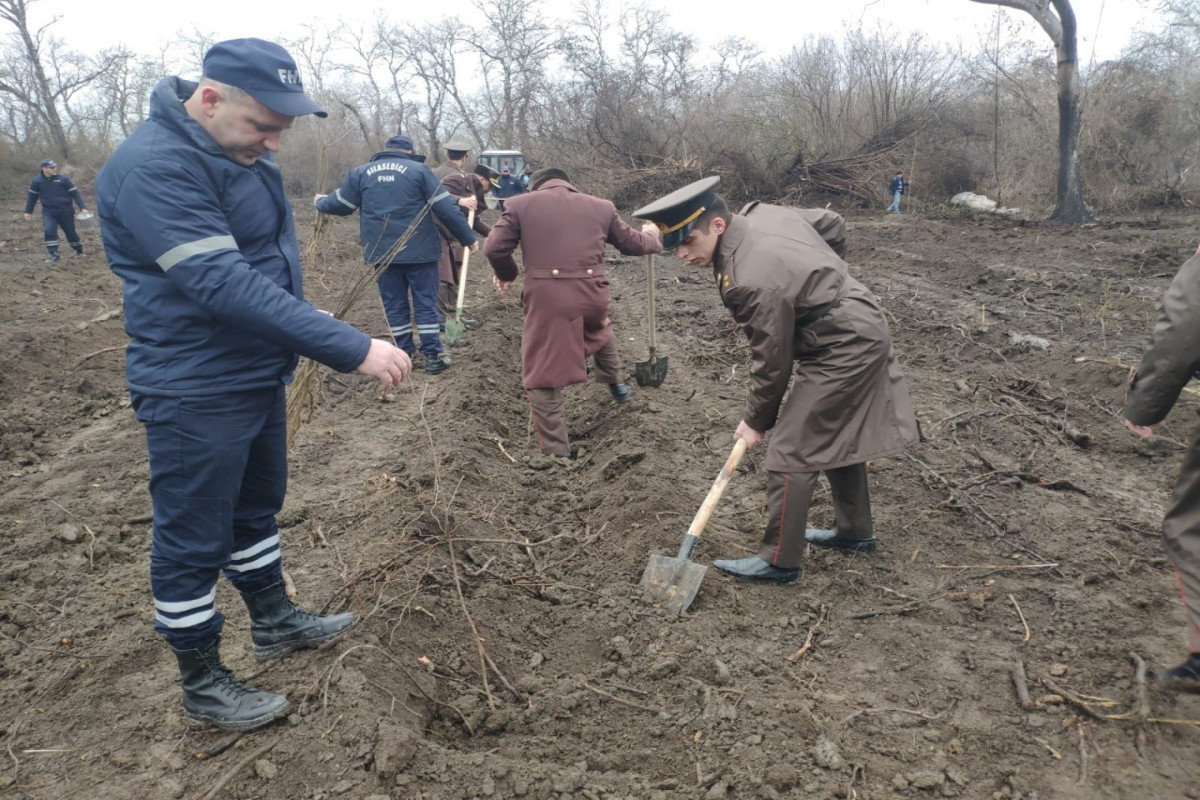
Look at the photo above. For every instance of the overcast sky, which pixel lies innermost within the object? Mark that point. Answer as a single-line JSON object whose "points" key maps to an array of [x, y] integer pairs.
{"points": [[775, 25]]}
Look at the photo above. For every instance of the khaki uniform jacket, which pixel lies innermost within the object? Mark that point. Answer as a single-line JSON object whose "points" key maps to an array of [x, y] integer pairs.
{"points": [[1174, 354], [449, 168], [459, 185], [562, 233], [779, 276]]}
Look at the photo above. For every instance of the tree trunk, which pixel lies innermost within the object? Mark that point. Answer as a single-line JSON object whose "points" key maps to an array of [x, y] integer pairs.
{"points": [[1069, 206], [14, 11]]}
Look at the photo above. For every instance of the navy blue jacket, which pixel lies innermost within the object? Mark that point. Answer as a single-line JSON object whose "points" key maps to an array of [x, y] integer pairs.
{"points": [[207, 254], [56, 193], [897, 185], [390, 190], [508, 186]]}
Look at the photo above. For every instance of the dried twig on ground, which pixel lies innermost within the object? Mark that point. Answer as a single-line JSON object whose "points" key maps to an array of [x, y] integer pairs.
{"points": [[1021, 614], [220, 747], [615, 699], [1021, 684], [808, 640], [239, 766], [1142, 698]]}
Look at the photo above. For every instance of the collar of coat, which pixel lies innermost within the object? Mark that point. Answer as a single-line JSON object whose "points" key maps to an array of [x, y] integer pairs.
{"points": [[556, 183], [166, 107], [396, 155], [729, 242]]}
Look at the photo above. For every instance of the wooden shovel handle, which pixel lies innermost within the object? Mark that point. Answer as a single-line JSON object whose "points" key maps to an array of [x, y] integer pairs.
{"points": [[650, 294], [462, 272], [718, 488]]}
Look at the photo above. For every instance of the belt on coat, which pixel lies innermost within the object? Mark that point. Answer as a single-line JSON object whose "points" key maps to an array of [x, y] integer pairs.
{"points": [[594, 271]]}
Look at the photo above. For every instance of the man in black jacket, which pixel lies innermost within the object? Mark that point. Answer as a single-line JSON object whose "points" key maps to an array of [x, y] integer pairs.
{"points": [[57, 194]]}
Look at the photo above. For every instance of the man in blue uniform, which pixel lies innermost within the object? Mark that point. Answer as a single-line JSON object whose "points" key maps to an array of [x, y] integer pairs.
{"points": [[57, 194], [391, 190], [507, 186], [196, 224]]}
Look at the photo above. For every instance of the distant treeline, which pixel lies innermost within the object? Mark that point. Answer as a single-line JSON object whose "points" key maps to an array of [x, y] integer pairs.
{"points": [[606, 93]]}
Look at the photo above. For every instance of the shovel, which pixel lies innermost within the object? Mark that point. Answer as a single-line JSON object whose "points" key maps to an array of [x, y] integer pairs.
{"points": [[654, 371], [675, 581], [454, 327]]}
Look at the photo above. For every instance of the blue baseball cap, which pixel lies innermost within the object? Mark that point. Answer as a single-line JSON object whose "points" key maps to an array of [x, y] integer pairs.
{"points": [[399, 143], [265, 71], [48, 163]]}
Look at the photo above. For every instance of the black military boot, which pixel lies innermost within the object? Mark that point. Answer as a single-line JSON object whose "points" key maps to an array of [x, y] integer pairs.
{"points": [[277, 627], [1183, 678], [211, 694]]}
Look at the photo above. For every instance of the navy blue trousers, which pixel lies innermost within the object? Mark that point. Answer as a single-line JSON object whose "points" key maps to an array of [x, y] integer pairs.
{"points": [[52, 221], [395, 283], [218, 475]]}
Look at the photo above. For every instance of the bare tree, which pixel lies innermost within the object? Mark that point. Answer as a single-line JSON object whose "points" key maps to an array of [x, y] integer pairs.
{"points": [[1057, 19], [41, 89], [512, 57], [429, 53]]}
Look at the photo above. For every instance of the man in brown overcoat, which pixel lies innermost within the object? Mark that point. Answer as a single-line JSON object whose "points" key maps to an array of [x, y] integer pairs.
{"points": [[1172, 360], [471, 190], [780, 274], [562, 233]]}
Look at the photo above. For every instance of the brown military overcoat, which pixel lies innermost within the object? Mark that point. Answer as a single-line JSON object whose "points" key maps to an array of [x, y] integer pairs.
{"points": [[1174, 356], [779, 275], [562, 233], [460, 184]]}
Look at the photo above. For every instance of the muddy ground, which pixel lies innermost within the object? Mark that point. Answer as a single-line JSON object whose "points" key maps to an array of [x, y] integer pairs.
{"points": [[506, 650]]}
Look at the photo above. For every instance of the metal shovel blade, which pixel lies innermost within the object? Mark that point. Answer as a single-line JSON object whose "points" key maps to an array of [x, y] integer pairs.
{"points": [[674, 582], [454, 329], [651, 373]]}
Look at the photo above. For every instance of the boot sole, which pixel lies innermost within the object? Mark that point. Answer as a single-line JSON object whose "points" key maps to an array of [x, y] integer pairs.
{"points": [[266, 652], [870, 548], [756, 579], [242, 725], [1181, 685]]}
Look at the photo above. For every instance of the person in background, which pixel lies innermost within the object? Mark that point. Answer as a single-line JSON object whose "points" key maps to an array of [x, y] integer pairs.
{"points": [[562, 233], [896, 188], [57, 194], [780, 273], [507, 186], [196, 223], [390, 191], [456, 160], [471, 190], [1172, 360]]}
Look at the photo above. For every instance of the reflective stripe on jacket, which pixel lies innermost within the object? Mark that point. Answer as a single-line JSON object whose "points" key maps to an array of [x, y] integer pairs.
{"points": [[389, 191], [56, 193], [207, 255]]}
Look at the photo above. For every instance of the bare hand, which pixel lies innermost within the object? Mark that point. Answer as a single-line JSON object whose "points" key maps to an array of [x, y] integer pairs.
{"points": [[28, 217], [468, 202], [1139, 430], [744, 431], [650, 227], [502, 286], [385, 361], [317, 198]]}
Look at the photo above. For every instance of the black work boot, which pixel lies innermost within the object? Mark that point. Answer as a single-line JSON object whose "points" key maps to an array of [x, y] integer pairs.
{"points": [[277, 627], [211, 694], [1183, 678]]}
